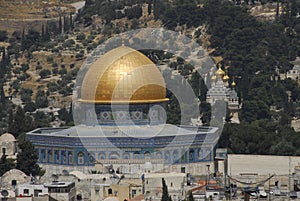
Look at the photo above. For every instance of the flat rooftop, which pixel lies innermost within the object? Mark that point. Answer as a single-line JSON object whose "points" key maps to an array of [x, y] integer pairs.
{"points": [[142, 131]]}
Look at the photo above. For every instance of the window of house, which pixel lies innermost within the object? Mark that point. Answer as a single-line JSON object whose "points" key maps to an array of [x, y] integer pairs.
{"points": [[3, 150], [109, 191], [26, 191]]}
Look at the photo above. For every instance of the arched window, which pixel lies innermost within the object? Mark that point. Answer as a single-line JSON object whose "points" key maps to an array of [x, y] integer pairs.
{"points": [[114, 155], [80, 158], [191, 155], [101, 156], [147, 155], [126, 156], [167, 156], [70, 158], [136, 155], [175, 156], [56, 156]]}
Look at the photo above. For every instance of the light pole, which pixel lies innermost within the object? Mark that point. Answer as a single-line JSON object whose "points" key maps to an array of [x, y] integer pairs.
{"points": [[207, 180]]}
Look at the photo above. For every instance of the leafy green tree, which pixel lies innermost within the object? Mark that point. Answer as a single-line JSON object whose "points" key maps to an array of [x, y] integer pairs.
{"points": [[205, 112], [81, 37], [27, 159], [41, 119], [26, 94], [41, 100], [6, 164], [173, 110], [17, 126], [44, 73], [3, 35], [30, 107]]}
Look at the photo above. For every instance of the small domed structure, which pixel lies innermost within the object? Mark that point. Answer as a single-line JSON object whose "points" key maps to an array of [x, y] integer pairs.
{"points": [[14, 174], [8, 145], [7, 137]]}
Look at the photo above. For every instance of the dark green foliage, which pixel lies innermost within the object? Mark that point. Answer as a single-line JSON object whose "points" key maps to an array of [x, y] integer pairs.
{"points": [[60, 26], [165, 192], [81, 37], [29, 107], [173, 110], [26, 95], [27, 159], [44, 73], [6, 164], [31, 39], [205, 112], [3, 35], [191, 197], [134, 13], [199, 86], [41, 119], [260, 137], [17, 125], [41, 100], [66, 115]]}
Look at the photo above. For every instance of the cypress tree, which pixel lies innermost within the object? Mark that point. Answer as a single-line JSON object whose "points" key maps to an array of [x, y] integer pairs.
{"points": [[2, 95], [18, 125], [71, 22], [277, 9], [23, 41], [191, 197], [60, 27], [43, 33], [66, 24], [47, 32], [165, 192]]}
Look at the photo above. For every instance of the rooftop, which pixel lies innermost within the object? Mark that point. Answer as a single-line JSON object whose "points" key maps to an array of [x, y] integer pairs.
{"points": [[142, 131]]}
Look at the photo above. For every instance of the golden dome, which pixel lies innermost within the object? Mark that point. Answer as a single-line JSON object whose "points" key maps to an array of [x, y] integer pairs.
{"points": [[220, 72], [123, 75], [213, 77], [233, 84], [225, 78]]}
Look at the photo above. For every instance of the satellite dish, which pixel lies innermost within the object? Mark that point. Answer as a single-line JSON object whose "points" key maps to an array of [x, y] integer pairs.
{"points": [[4, 193]]}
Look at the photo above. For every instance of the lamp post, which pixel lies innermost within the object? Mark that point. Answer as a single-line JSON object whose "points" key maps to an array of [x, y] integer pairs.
{"points": [[207, 179]]}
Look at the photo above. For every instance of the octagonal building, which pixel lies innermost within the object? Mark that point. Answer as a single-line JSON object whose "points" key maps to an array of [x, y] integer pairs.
{"points": [[120, 121]]}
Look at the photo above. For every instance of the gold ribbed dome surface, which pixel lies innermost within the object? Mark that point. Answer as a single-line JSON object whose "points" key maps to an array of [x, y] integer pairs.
{"points": [[123, 75]]}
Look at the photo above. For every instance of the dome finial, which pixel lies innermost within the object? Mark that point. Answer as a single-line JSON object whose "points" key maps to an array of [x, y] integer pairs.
{"points": [[220, 72], [233, 84], [122, 40], [226, 77]]}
